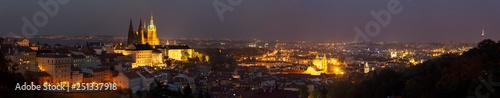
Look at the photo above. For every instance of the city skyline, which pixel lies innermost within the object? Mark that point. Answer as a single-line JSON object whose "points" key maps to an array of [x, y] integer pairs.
{"points": [[419, 20], [250, 48]]}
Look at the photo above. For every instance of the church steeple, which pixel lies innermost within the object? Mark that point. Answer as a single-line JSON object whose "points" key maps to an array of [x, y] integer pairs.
{"points": [[140, 24], [131, 26], [141, 32], [151, 21], [152, 37], [131, 34], [145, 30], [146, 33]]}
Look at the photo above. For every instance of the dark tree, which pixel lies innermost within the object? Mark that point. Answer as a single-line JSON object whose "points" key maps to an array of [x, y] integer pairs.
{"points": [[112, 68], [304, 91], [339, 89], [139, 93], [187, 91], [8, 78]]}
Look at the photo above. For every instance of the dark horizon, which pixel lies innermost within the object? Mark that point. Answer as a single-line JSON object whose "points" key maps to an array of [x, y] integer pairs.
{"points": [[319, 20]]}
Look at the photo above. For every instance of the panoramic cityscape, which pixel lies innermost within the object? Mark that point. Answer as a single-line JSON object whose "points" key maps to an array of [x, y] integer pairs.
{"points": [[249, 49]]}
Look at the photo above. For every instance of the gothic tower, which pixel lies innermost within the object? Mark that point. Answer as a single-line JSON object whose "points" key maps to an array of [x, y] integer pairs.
{"points": [[152, 37], [132, 36], [141, 33], [146, 34]]}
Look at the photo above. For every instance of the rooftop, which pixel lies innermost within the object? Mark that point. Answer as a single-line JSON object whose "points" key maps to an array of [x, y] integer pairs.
{"points": [[53, 56], [131, 75], [43, 74], [178, 47], [146, 74]]}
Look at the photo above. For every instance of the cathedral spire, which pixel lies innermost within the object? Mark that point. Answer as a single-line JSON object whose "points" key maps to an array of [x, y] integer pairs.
{"points": [[145, 25], [131, 34], [152, 34], [140, 24], [146, 33], [131, 28], [141, 32], [145, 30], [151, 22]]}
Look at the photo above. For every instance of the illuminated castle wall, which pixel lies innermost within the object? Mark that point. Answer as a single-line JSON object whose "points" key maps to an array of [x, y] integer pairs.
{"points": [[143, 55], [144, 47]]}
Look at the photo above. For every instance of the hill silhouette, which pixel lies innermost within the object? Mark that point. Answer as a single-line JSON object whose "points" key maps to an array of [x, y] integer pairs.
{"points": [[472, 74]]}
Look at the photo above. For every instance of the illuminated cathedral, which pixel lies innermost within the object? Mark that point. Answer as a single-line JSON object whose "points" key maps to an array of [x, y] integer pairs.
{"points": [[144, 47], [324, 65], [146, 34], [320, 65]]}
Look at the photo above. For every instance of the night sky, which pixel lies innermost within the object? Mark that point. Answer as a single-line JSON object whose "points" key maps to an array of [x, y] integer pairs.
{"points": [[324, 20]]}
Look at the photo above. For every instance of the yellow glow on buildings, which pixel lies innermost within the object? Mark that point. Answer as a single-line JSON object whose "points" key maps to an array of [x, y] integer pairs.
{"points": [[435, 54], [144, 55], [441, 50], [321, 64], [175, 54], [404, 53], [207, 58], [156, 58], [394, 54], [180, 54], [184, 53], [41, 68], [334, 61], [312, 71], [57, 66], [146, 34], [152, 38], [366, 68], [337, 71], [324, 65], [142, 58], [412, 61]]}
